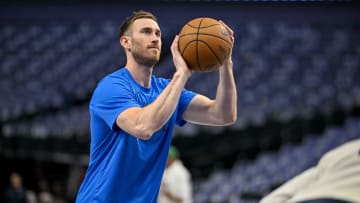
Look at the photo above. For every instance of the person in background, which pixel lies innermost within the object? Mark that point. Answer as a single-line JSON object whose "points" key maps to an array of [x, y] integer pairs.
{"points": [[336, 179], [15, 193], [176, 186], [45, 194]]}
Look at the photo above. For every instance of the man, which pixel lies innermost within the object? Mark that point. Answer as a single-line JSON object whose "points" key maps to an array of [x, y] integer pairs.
{"points": [[336, 179], [176, 186], [16, 193], [133, 115]]}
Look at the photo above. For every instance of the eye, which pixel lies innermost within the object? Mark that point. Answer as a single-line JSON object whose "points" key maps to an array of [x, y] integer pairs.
{"points": [[158, 33], [146, 31]]}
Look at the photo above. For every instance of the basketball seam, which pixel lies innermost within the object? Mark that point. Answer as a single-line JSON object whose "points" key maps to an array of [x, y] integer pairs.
{"points": [[211, 35], [201, 27], [209, 47], [212, 51], [187, 44], [197, 43]]}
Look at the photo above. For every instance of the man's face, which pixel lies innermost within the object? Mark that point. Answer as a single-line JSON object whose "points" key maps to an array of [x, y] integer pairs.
{"points": [[145, 41], [16, 181]]}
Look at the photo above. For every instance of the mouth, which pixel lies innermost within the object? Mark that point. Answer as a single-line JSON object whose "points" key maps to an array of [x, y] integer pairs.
{"points": [[154, 47]]}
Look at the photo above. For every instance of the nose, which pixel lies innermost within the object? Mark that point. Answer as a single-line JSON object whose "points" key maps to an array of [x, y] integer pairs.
{"points": [[156, 41], [155, 38]]}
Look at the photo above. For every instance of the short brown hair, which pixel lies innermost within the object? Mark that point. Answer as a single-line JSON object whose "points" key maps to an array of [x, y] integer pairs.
{"points": [[134, 16]]}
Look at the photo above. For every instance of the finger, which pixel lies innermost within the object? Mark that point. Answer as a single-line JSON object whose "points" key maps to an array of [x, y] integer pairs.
{"points": [[227, 27], [231, 32], [175, 44]]}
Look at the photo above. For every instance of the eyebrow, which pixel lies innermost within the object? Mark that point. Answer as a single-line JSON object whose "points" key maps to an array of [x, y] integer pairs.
{"points": [[150, 29]]}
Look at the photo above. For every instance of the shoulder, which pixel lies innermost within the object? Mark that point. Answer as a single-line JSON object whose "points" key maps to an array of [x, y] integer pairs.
{"points": [[113, 83], [117, 78], [342, 156], [347, 148], [180, 168]]}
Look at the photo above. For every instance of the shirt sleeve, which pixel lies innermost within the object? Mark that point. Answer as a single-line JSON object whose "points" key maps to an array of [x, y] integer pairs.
{"points": [[185, 99], [110, 99]]}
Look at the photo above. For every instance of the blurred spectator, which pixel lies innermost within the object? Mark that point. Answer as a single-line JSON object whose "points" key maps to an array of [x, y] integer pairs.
{"points": [[45, 196], [31, 197], [336, 179], [15, 193], [59, 192], [176, 184]]}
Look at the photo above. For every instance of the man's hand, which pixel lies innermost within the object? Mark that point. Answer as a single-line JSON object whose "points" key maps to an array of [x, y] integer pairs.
{"points": [[228, 61], [179, 62]]}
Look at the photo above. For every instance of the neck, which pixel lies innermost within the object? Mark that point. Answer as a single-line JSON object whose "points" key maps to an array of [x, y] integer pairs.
{"points": [[142, 74]]}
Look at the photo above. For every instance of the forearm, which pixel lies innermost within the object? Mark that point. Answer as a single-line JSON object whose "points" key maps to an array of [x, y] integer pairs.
{"points": [[158, 113], [225, 104]]}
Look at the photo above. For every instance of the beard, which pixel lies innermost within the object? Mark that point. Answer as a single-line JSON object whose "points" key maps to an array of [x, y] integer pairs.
{"points": [[144, 59]]}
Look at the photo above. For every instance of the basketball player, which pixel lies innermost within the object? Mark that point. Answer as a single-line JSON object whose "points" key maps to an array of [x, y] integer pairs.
{"points": [[133, 114]]}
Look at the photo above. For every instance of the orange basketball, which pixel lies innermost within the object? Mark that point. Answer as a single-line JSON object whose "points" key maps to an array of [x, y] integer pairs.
{"points": [[204, 43]]}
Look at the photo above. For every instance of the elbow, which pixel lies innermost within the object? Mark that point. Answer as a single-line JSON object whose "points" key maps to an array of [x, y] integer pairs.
{"points": [[145, 136], [230, 119], [233, 119], [143, 133]]}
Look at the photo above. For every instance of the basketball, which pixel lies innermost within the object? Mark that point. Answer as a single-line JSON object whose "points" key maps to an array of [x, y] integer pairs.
{"points": [[204, 43]]}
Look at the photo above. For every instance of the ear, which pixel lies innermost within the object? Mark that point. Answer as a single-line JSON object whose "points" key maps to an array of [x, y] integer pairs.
{"points": [[125, 42]]}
